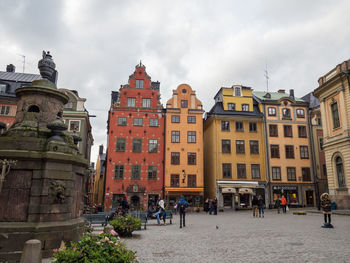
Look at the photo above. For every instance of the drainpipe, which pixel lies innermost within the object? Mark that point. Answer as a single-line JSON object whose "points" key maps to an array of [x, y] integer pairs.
{"points": [[267, 163], [164, 132]]}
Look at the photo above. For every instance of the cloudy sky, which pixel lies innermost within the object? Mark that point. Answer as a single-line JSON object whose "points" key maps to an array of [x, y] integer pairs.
{"points": [[207, 44]]}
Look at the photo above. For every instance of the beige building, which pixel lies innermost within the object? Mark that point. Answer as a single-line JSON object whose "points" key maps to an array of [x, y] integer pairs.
{"points": [[333, 93]]}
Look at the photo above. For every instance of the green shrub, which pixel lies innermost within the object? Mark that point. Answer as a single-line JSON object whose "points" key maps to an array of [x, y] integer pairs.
{"points": [[103, 248], [125, 225]]}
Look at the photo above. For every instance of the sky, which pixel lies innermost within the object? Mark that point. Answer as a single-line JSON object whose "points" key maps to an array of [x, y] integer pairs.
{"points": [[207, 44]]}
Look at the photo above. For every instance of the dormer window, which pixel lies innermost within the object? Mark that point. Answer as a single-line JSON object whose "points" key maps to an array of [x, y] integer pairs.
{"points": [[139, 83], [286, 113], [2, 88], [231, 106], [300, 113], [245, 107], [69, 105], [237, 91]]}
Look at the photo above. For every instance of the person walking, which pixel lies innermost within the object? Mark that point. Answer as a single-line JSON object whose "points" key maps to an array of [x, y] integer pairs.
{"points": [[284, 204], [215, 206], [261, 206], [326, 205], [181, 206], [206, 206], [211, 206], [278, 205], [255, 206]]}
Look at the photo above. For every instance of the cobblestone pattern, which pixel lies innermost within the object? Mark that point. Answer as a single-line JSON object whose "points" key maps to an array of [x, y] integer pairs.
{"points": [[242, 238]]}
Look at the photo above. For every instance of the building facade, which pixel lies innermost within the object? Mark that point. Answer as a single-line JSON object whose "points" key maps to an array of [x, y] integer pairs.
{"points": [[99, 178], [288, 148], [184, 147], [134, 162], [234, 148], [334, 96]]}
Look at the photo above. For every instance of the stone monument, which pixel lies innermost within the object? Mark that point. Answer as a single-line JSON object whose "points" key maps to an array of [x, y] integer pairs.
{"points": [[42, 184]]}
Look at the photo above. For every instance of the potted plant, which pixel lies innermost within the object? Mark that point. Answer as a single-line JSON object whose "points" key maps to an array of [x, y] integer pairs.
{"points": [[125, 225]]}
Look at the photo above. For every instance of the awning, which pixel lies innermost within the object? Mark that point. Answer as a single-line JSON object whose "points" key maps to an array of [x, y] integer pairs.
{"points": [[228, 190], [246, 191]]}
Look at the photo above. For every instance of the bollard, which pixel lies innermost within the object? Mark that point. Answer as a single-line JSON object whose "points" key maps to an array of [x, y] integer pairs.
{"points": [[108, 229], [31, 252]]}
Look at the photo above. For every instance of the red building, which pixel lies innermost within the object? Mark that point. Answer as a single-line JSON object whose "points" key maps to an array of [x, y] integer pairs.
{"points": [[135, 165]]}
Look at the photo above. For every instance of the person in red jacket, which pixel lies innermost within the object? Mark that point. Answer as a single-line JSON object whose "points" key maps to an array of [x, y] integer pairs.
{"points": [[284, 204]]}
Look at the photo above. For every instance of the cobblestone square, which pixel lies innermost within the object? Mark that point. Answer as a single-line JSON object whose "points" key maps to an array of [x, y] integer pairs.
{"points": [[233, 236]]}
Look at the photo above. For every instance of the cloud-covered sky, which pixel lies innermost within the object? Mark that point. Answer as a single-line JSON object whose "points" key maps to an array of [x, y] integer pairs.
{"points": [[205, 43]]}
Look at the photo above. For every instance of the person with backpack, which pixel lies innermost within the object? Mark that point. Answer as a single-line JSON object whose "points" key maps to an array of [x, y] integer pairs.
{"points": [[181, 206]]}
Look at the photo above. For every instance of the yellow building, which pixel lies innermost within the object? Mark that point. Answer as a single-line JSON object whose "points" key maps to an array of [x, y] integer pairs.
{"points": [[288, 147], [184, 147], [234, 148], [333, 93], [99, 178]]}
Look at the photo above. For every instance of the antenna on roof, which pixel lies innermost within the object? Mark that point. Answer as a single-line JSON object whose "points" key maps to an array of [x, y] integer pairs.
{"points": [[24, 61], [267, 78]]}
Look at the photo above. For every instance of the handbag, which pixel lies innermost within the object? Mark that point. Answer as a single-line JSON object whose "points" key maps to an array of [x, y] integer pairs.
{"points": [[287, 208]]}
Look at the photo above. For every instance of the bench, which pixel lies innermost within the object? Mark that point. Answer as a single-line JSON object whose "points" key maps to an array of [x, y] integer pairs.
{"points": [[99, 218], [140, 215]]}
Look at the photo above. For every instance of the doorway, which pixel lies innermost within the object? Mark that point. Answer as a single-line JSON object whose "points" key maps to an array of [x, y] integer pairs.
{"points": [[227, 200], [309, 198], [135, 202]]}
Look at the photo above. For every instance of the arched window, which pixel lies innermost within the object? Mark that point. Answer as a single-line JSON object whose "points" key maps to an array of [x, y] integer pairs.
{"points": [[33, 108], [340, 171]]}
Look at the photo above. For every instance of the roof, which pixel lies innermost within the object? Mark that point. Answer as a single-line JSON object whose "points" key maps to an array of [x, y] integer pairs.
{"points": [[274, 96], [312, 100], [218, 109], [20, 77]]}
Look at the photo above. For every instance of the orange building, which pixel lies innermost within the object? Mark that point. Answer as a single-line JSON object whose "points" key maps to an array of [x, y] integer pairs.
{"points": [[184, 147]]}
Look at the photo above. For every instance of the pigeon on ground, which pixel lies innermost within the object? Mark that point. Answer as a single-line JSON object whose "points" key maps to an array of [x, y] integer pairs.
{"points": [[217, 227]]}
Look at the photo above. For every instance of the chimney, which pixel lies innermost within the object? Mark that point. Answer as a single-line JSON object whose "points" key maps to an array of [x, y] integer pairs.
{"points": [[10, 68], [101, 149], [291, 93], [281, 91]]}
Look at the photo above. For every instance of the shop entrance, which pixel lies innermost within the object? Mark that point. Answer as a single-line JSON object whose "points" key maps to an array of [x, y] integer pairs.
{"points": [[135, 202], [227, 200], [309, 198], [244, 199]]}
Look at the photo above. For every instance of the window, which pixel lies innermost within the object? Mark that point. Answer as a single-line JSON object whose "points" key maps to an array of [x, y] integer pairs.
{"points": [[275, 151], [175, 136], [289, 151], [191, 137], [300, 113], [276, 173], [191, 158], [119, 171], [175, 118], [254, 147], [139, 83], [286, 113], [74, 125], [69, 105], [271, 111], [191, 119], [191, 181], [136, 172], [2, 88], [175, 158], [121, 121], [288, 131], [252, 127], [131, 102], [231, 106], [273, 130], [225, 125], [324, 170], [319, 121], [184, 103], [302, 132], [239, 126], [5, 110], [241, 171], [226, 170], [305, 171], [321, 144], [136, 145], [152, 146], [240, 146], [255, 171], [304, 152], [153, 122], [146, 103], [245, 107], [237, 91], [152, 172], [291, 174], [120, 145], [335, 115], [174, 180], [226, 146], [137, 121], [340, 171]]}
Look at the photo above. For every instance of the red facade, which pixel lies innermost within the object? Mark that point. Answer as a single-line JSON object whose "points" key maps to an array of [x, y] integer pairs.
{"points": [[135, 166]]}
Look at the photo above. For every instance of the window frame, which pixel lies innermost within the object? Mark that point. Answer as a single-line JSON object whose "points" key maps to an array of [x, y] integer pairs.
{"points": [[152, 122], [291, 174], [184, 103], [121, 122], [118, 171], [191, 119], [226, 170], [239, 125], [174, 180], [273, 174], [253, 127], [289, 151], [255, 167], [191, 180], [275, 129], [146, 102], [304, 152], [300, 113], [254, 146], [245, 107], [307, 177], [225, 125], [131, 102], [274, 151], [191, 137], [4, 110], [285, 131], [191, 158], [231, 106], [135, 143], [175, 158], [302, 131], [175, 118], [139, 83], [175, 136], [240, 147], [151, 143], [226, 143], [120, 142], [286, 113], [271, 111], [241, 171], [74, 121], [136, 168], [138, 122], [335, 115], [152, 174]]}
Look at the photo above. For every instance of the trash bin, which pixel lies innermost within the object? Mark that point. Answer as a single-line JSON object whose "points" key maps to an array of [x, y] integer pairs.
{"points": [[334, 206]]}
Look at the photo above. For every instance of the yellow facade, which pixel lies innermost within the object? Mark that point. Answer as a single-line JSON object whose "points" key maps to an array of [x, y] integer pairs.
{"points": [[235, 126], [99, 180], [184, 146]]}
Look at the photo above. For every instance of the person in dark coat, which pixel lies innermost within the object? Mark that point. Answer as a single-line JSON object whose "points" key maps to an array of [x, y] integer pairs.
{"points": [[125, 205], [261, 205], [278, 205], [215, 206], [181, 207], [326, 205], [255, 206], [206, 205]]}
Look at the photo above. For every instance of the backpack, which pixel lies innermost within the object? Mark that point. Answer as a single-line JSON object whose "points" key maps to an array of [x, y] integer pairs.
{"points": [[182, 208]]}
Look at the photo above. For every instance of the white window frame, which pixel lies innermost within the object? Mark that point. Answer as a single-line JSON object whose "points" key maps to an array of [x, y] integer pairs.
{"points": [[69, 123]]}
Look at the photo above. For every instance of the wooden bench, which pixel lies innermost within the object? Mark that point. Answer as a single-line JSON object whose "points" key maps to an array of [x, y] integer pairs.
{"points": [[99, 218]]}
